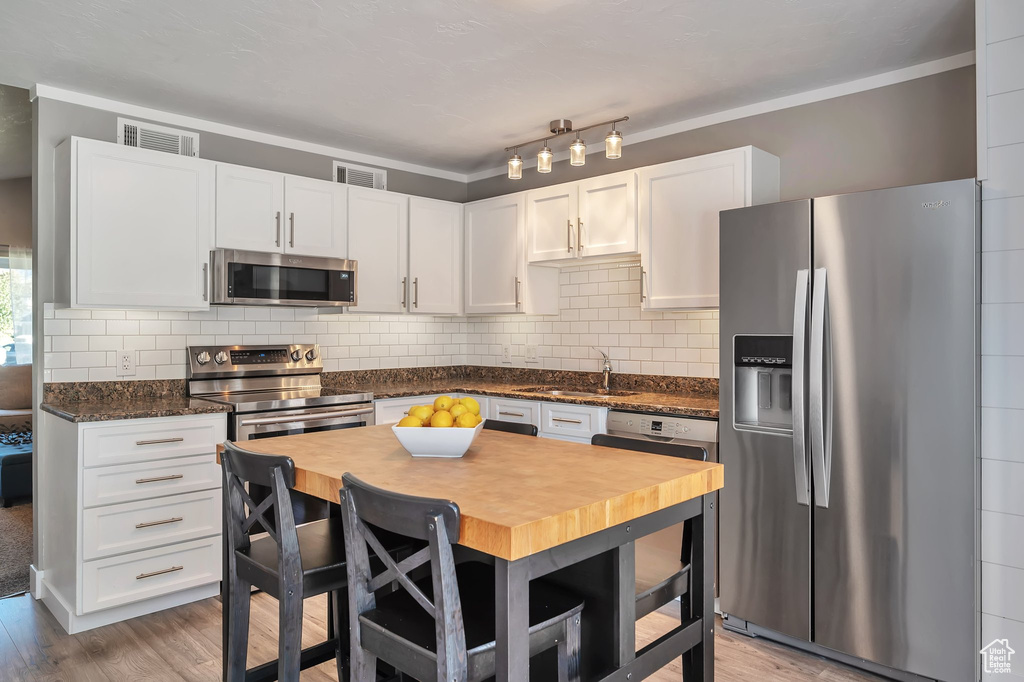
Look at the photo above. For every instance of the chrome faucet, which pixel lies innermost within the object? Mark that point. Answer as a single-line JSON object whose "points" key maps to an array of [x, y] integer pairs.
{"points": [[606, 370]]}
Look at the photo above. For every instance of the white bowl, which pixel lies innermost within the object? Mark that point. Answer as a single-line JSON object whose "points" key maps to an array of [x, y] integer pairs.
{"points": [[422, 441]]}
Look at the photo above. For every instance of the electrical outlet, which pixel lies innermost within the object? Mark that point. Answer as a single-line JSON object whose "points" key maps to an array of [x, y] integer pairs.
{"points": [[125, 363], [531, 353], [506, 353]]}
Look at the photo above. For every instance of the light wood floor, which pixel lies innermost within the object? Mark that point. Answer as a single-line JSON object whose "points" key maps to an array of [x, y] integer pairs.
{"points": [[184, 644]]}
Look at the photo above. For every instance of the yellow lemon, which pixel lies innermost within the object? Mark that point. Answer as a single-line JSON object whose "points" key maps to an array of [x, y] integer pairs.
{"points": [[411, 421], [479, 419], [458, 410], [442, 419], [471, 404], [422, 412], [444, 403], [467, 421]]}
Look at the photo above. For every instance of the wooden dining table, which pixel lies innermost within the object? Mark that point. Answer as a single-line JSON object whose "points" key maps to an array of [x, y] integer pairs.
{"points": [[536, 507]]}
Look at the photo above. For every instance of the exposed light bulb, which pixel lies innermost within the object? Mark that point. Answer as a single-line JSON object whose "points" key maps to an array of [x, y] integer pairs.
{"points": [[613, 145], [544, 157], [577, 152], [515, 167]]}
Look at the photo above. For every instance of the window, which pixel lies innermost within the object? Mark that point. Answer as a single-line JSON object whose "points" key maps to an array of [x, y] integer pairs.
{"points": [[15, 305]]}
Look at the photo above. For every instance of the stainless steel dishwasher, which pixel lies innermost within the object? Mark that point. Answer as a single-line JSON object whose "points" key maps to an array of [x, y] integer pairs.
{"points": [[657, 555]]}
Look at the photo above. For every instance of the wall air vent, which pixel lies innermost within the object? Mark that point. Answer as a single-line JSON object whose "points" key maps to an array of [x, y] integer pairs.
{"points": [[361, 176], [158, 138]]}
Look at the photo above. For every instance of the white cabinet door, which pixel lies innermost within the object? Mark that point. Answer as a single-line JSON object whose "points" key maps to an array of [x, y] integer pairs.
{"points": [[378, 233], [317, 217], [578, 423], [551, 220], [607, 215], [679, 206], [250, 209], [141, 225], [495, 236], [435, 256]]}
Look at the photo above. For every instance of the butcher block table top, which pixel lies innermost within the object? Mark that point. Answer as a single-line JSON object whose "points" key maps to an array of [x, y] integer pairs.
{"points": [[519, 495]]}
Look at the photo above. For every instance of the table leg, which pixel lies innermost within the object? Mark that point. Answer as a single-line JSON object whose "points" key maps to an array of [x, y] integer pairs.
{"points": [[512, 620], [699, 663], [624, 566]]}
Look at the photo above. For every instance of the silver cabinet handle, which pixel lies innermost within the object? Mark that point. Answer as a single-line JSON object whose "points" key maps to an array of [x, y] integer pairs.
{"points": [[579, 234], [568, 236], [416, 292], [291, 233], [820, 372], [518, 284], [172, 569], [510, 414], [643, 276], [160, 441], [206, 282], [308, 417], [150, 524], [405, 288], [277, 219], [172, 477], [803, 491], [566, 421]]}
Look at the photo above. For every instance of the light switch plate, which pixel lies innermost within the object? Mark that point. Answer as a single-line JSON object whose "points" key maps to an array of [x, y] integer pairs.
{"points": [[531, 353], [125, 365], [506, 353]]}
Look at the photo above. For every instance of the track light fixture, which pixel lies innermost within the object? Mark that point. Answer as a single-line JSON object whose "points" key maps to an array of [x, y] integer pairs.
{"points": [[577, 150]]}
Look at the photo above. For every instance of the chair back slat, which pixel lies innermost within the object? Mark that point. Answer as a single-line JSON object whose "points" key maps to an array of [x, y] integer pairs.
{"points": [[653, 447], [401, 514]]}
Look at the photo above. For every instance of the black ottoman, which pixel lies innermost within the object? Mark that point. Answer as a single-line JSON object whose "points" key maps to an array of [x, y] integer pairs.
{"points": [[15, 472]]}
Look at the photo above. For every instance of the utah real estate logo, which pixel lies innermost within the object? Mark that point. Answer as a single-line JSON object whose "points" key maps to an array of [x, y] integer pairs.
{"points": [[996, 656]]}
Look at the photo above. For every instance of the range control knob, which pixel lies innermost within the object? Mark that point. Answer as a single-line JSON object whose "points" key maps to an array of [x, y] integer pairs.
{"points": [[221, 357], [203, 358], [311, 354], [296, 355]]}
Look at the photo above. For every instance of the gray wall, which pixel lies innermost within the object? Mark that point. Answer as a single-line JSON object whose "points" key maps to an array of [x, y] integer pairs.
{"points": [[16, 212], [912, 132]]}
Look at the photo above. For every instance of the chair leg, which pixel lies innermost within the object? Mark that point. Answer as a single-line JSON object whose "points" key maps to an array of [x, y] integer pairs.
{"points": [[569, 651], [289, 647], [7, 503], [238, 634], [363, 664], [339, 617]]}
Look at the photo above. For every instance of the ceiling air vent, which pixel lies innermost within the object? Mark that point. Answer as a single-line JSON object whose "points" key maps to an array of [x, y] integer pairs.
{"points": [[361, 176], [158, 138]]}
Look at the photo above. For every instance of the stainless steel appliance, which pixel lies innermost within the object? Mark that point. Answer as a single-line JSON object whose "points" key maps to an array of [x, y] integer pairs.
{"points": [[849, 357], [275, 390], [251, 278], [657, 555]]}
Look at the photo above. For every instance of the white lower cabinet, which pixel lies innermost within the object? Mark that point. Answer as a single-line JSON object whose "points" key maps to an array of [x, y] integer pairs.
{"points": [[577, 423], [131, 516], [391, 410], [512, 410]]}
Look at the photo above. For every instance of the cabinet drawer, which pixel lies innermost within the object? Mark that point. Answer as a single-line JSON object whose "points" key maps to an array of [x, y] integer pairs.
{"points": [[130, 482], [575, 421], [120, 528], [126, 442], [143, 575], [511, 410]]}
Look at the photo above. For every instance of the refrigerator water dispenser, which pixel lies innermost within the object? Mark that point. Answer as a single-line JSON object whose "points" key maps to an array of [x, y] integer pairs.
{"points": [[763, 367]]}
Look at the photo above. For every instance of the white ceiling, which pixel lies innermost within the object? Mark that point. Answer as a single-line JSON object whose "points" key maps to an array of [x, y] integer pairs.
{"points": [[15, 133], [449, 83]]}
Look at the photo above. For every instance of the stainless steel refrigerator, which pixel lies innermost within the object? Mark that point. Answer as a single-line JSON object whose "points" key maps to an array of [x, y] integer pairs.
{"points": [[849, 379]]}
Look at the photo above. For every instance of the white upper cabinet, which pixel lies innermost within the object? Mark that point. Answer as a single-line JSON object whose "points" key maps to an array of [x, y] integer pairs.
{"points": [[378, 234], [435, 257], [593, 217], [250, 209], [133, 227], [317, 217], [679, 206], [495, 261], [259, 210], [606, 225], [552, 214]]}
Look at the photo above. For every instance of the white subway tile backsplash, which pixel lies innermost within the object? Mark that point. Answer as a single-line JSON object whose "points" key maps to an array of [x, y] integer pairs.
{"points": [[1005, 20], [1002, 434], [1004, 60], [1001, 379], [1002, 226], [1001, 483], [1001, 594]]}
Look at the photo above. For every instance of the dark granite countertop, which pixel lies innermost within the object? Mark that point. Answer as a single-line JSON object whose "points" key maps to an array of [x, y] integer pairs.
{"points": [[111, 409]]}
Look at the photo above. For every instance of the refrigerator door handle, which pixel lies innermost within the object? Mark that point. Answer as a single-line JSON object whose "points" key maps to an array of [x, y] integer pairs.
{"points": [[803, 490], [820, 390]]}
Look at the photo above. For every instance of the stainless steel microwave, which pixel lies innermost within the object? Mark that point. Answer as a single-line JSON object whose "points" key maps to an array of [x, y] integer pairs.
{"points": [[253, 278]]}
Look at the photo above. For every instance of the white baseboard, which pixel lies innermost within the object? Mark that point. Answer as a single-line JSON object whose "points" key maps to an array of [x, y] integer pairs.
{"points": [[35, 582]]}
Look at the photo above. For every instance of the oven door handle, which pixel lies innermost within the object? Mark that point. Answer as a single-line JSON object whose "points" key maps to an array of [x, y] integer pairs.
{"points": [[307, 417]]}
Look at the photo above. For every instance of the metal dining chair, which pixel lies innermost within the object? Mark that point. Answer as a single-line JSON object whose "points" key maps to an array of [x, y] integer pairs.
{"points": [[650, 598], [439, 626], [511, 427], [290, 563]]}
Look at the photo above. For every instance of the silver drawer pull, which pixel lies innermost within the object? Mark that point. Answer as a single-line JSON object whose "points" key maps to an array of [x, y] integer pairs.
{"points": [[172, 569], [159, 441], [511, 414], [567, 421], [172, 477], [150, 524]]}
